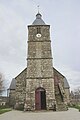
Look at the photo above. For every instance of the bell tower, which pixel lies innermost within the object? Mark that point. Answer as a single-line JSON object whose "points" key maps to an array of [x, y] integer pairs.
{"points": [[40, 77]]}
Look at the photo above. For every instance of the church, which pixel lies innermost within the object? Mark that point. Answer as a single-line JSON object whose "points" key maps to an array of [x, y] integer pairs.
{"points": [[39, 86]]}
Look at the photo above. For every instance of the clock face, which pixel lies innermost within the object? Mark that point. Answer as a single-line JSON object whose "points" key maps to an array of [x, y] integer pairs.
{"points": [[38, 35]]}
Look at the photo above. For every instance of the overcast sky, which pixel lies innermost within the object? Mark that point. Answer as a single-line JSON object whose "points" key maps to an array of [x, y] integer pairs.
{"points": [[64, 19]]}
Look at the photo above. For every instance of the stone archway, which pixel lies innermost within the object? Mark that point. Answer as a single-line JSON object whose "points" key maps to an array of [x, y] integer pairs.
{"points": [[40, 99]]}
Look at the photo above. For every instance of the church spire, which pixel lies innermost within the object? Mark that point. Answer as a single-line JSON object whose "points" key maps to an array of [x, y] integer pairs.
{"points": [[38, 20], [38, 15]]}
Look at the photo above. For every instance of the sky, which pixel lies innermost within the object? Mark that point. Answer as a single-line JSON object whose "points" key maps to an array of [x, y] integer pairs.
{"points": [[63, 16]]}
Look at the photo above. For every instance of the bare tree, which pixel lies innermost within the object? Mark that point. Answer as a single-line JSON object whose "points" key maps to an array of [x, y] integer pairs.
{"points": [[77, 93], [1, 83], [76, 96], [77, 90]]}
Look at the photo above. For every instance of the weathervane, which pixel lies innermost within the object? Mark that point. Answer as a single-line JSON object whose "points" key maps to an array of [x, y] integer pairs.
{"points": [[38, 8]]}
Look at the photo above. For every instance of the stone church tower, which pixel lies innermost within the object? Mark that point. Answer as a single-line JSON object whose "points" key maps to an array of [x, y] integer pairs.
{"points": [[39, 86], [40, 76]]}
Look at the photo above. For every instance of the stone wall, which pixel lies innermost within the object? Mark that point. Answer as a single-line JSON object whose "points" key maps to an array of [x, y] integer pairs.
{"points": [[20, 87], [39, 65], [4, 100], [60, 94], [45, 33], [33, 84], [12, 97]]}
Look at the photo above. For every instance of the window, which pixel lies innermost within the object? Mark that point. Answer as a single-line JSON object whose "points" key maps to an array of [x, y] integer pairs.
{"points": [[38, 30]]}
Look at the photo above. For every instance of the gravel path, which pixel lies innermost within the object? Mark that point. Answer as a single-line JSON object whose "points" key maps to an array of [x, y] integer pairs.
{"points": [[71, 114]]}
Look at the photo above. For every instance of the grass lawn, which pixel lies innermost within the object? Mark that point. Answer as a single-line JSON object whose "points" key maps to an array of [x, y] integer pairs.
{"points": [[5, 110], [75, 106]]}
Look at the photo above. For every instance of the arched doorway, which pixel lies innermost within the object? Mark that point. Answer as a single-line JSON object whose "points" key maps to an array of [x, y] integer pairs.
{"points": [[40, 99]]}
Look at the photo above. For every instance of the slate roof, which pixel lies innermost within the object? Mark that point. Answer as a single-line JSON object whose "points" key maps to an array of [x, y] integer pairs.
{"points": [[38, 20], [66, 84], [13, 84]]}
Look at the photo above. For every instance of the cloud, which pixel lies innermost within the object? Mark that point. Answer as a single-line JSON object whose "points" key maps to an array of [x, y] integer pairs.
{"points": [[64, 18], [72, 76], [12, 41]]}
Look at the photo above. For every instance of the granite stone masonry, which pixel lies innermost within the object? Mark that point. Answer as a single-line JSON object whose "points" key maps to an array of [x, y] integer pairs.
{"points": [[40, 86]]}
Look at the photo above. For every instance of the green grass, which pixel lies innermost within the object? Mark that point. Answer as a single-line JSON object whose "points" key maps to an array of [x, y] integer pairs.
{"points": [[5, 110], [76, 106]]}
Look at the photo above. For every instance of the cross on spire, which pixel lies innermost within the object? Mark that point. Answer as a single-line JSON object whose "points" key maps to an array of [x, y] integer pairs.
{"points": [[38, 8]]}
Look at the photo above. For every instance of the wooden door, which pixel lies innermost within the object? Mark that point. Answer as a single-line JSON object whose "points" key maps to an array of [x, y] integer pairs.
{"points": [[37, 100], [40, 99]]}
